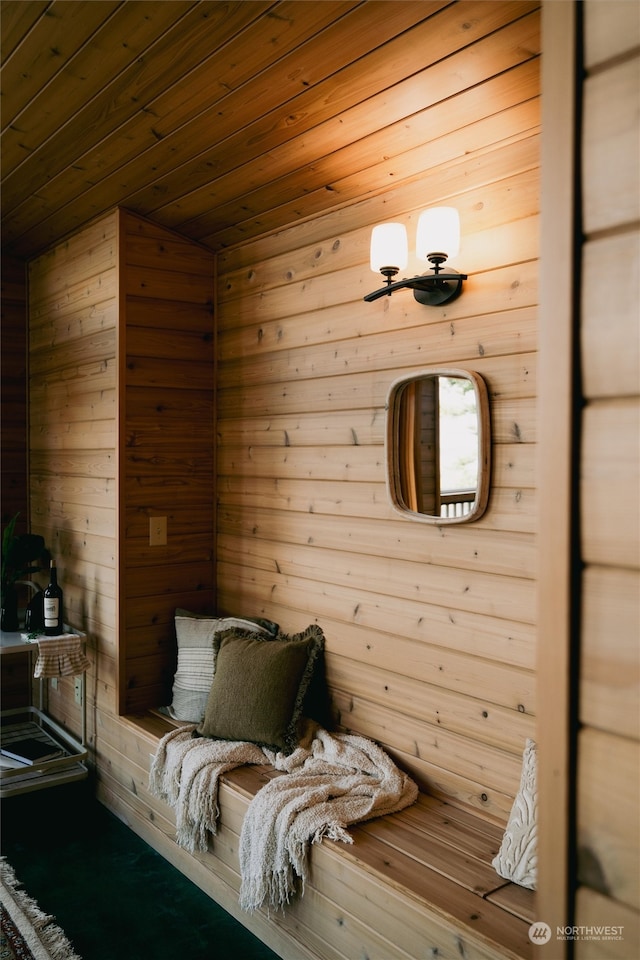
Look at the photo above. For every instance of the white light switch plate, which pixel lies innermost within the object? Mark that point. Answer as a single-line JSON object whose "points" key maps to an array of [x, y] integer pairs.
{"points": [[157, 531]]}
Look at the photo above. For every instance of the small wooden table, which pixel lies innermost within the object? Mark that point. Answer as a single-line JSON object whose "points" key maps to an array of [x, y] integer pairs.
{"points": [[30, 721]]}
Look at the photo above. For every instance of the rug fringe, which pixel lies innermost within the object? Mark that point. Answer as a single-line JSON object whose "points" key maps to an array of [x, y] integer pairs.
{"points": [[52, 937]]}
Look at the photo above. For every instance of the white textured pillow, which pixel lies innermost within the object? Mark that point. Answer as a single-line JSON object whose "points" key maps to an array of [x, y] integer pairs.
{"points": [[517, 859], [194, 673]]}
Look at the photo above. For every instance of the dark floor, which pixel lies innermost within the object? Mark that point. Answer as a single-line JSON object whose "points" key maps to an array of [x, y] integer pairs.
{"points": [[115, 897]]}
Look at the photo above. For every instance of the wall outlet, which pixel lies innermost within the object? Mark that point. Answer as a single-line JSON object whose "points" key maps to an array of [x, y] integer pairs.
{"points": [[157, 531], [54, 683], [78, 689]]}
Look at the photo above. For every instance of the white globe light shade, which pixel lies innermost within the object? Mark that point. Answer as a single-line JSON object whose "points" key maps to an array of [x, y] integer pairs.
{"points": [[389, 247], [438, 232]]}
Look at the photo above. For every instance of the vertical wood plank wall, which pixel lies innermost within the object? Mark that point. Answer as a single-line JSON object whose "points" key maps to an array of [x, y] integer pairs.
{"points": [[609, 737], [122, 394], [13, 442], [555, 520], [13, 386], [430, 630], [167, 447], [73, 321]]}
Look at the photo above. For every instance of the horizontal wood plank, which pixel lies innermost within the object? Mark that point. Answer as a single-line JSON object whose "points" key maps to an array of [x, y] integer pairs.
{"points": [[595, 911], [611, 363], [610, 674], [608, 829], [610, 142], [610, 32], [390, 864], [610, 481]]}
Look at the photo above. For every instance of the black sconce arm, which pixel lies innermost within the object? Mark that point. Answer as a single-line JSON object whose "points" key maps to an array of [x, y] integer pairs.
{"points": [[430, 289]]}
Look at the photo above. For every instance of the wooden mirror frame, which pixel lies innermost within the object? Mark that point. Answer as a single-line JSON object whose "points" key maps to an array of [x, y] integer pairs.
{"points": [[393, 445]]}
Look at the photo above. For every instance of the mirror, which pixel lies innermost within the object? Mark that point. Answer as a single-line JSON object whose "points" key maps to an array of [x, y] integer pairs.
{"points": [[438, 446]]}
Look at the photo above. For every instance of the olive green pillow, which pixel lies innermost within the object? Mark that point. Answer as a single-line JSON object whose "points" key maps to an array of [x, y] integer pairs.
{"points": [[258, 687], [194, 672]]}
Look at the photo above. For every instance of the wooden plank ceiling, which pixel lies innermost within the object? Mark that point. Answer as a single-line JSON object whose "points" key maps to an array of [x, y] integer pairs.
{"points": [[222, 120]]}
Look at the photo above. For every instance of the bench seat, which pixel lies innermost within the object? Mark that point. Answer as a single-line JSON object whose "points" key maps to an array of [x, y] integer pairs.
{"points": [[415, 884]]}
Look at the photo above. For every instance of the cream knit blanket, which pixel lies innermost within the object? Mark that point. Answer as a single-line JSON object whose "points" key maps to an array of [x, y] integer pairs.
{"points": [[332, 780]]}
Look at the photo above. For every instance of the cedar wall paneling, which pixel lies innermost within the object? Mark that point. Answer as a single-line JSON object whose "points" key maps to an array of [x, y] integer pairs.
{"points": [[167, 450], [609, 737], [13, 442], [430, 630], [13, 384], [121, 388], [73, 428], [555, 520]]}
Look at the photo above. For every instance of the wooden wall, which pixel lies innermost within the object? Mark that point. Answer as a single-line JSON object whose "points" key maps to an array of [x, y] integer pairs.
{"points": [[13, 442], [13, 387], [73, 382], [609, 737], [430, 630], [166, 416], [121, 390]]}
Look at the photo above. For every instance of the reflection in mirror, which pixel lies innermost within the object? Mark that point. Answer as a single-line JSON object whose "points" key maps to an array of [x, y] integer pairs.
{"points": [[438, 445]]}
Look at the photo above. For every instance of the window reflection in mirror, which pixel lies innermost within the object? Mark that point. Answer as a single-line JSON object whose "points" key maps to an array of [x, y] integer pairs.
{"points": [[438, 446]]}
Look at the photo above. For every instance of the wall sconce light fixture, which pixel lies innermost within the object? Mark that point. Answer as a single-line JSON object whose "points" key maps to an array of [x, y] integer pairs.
{"points": [[438, 238]]}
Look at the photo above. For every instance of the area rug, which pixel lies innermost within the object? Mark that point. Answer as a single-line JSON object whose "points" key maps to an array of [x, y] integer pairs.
{"points": [[26, 932]]}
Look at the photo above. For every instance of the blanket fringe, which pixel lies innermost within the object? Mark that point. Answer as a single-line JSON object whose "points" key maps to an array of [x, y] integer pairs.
{"points": [[329, 782], [275, 889]]}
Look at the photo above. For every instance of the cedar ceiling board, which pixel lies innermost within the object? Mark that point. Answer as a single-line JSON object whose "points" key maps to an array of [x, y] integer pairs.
{"points": [[228, 224], [261, 128], [403, 26], [18, 19], [309, 185], [143, 105], [114, 99], [181, 54], [445, 180], [143, 147], [311, 121], [421, 161], [385, 69], [121, 43], [372, 130], [487, 169], [54, 39]]}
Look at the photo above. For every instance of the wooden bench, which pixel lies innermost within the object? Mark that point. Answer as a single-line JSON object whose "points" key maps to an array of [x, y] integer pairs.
{"points": [[415, 884]]}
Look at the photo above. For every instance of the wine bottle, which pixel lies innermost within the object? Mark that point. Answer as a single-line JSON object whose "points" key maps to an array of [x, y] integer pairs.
{"points": [[53, 605], [34, 614]]}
